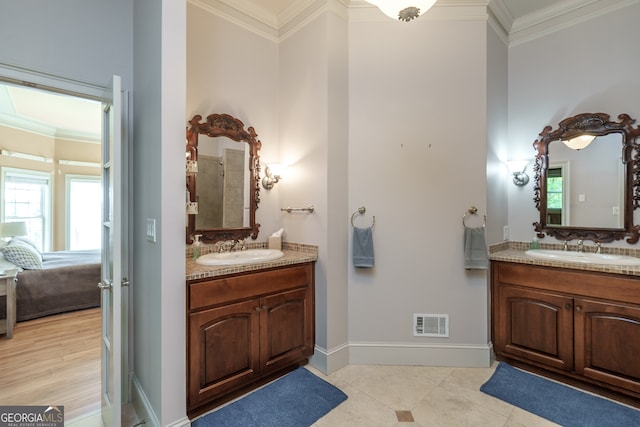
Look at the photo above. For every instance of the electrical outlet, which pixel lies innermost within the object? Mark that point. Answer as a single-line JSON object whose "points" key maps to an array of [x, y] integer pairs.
{"points": [[505, 232]]}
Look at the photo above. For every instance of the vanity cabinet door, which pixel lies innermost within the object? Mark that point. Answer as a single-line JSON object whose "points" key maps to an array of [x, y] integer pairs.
{"points": [[535, 326], [223, 350], [286, 328], [607, 342]]}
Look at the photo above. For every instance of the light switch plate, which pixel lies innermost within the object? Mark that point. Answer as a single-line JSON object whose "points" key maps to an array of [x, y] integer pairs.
{"points": [[151, 230]]}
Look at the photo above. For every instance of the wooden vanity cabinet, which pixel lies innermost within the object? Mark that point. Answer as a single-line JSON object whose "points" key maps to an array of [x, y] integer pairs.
{"points": [[245, 329], [582, 325]]}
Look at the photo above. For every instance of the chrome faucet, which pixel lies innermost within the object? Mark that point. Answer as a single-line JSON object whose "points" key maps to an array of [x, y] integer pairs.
{"points": [[580, 246], [234, 245]]}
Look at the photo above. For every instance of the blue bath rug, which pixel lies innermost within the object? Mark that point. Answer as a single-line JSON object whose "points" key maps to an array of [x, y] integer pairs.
{"points": [[298, 399], [557, 402]]}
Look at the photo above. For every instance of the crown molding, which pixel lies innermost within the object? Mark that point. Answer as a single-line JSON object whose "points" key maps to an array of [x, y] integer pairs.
{"points": [[262, 25], [250, 16], [443, 10], [565, 13], [560, 16]]}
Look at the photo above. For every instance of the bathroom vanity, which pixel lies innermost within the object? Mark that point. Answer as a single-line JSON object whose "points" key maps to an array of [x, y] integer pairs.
{"points": [[246, 325], [578, 324], [250, 317]]}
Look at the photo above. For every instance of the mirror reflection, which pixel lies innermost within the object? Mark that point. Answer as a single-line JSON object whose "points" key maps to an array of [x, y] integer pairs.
{"points": [[223, 166], [585, 187]]}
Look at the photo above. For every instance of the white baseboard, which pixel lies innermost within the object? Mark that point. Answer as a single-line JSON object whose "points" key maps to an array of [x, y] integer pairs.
{"points": [[328, 362], [456, 355], [366, 353], [145, 411]]}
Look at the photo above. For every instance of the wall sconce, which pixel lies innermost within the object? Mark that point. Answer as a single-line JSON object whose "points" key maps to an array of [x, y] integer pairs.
{"points": [[579, 142], [272, 174], [517, 169], [403, 10]]}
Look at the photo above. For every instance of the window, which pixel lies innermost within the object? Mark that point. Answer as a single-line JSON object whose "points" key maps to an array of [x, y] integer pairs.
{"points": [[27, 197], [555, 196], [84, 210]]}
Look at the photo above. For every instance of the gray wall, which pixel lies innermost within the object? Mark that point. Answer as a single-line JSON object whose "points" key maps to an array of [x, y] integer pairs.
{"points": [[586, 68], [160, 70], [417, 161], [89, 42]]}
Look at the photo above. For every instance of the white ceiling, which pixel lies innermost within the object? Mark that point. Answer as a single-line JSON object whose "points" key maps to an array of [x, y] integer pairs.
{"points": [[50, 114]]}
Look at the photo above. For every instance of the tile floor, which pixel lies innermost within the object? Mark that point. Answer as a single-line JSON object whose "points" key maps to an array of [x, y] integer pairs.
{"points": [[380, 396], [435, 397]]}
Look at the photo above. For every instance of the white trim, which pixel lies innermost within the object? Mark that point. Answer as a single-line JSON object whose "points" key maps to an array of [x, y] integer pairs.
{"points": [[141, 403], [560, 16], [442, 11], [330, 361], [25, 156], [238, 17], [78, 163], [50, 82], [403, 354]]}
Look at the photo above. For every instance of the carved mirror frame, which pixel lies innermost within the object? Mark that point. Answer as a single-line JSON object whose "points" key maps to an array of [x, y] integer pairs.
{"points": [[224, 125], [596, 124]]}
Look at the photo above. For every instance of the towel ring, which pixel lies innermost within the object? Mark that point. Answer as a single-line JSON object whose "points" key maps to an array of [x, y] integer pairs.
{"points": [[473, 210], [361, 210]]}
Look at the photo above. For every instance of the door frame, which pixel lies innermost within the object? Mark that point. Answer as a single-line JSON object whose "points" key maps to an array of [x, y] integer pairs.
{"points": [[21, 76]]}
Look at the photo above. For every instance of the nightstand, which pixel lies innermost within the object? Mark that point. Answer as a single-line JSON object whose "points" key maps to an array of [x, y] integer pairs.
{"points": [[8, 288]]}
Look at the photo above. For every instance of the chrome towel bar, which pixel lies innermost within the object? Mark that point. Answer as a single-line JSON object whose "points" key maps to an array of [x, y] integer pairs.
{"points": [[361, 210], [309, 209], [473, 210]]}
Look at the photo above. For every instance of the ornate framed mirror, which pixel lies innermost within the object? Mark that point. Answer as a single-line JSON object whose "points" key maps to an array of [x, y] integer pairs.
{"points": [[587, 179], [225, 184]]}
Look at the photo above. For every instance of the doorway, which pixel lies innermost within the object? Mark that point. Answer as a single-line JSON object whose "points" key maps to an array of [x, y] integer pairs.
{"points": [[56, 132]]}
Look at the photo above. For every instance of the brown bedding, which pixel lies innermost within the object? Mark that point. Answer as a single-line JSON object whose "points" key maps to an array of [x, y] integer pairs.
{"points": [[68, 281]]}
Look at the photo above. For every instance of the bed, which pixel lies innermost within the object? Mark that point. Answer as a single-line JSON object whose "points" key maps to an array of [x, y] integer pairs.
{"points": [[66, 281]]}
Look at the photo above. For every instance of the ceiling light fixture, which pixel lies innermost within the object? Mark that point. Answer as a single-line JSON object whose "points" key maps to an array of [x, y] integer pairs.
{"points": [[579, 142], [403, 10]]}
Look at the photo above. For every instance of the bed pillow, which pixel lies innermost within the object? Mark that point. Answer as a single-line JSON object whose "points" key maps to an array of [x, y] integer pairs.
{"points": [[23, 255], [27, 241]]}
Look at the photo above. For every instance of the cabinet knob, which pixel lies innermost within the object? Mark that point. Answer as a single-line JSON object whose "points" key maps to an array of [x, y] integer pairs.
{"points": [[567, 306], [265, 308], [578, 308], [257, 308]]}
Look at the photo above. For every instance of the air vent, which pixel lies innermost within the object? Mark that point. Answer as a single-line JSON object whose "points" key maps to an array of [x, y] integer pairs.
{"points": [[430, 325]]}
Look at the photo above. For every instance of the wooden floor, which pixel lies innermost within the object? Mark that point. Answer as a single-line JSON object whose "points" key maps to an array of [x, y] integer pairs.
{"points": [[54, 360]]}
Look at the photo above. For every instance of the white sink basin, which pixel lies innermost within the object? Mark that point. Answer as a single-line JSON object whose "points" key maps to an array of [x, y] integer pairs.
{"points": [[583, 257], [250, 256]]}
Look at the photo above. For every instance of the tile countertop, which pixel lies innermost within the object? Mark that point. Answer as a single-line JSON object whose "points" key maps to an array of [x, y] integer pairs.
{"points": [[294, 253], [515, 252]]}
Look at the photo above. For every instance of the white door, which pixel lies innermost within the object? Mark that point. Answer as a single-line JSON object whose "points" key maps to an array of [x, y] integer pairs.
{"points": [[113, 252]]}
